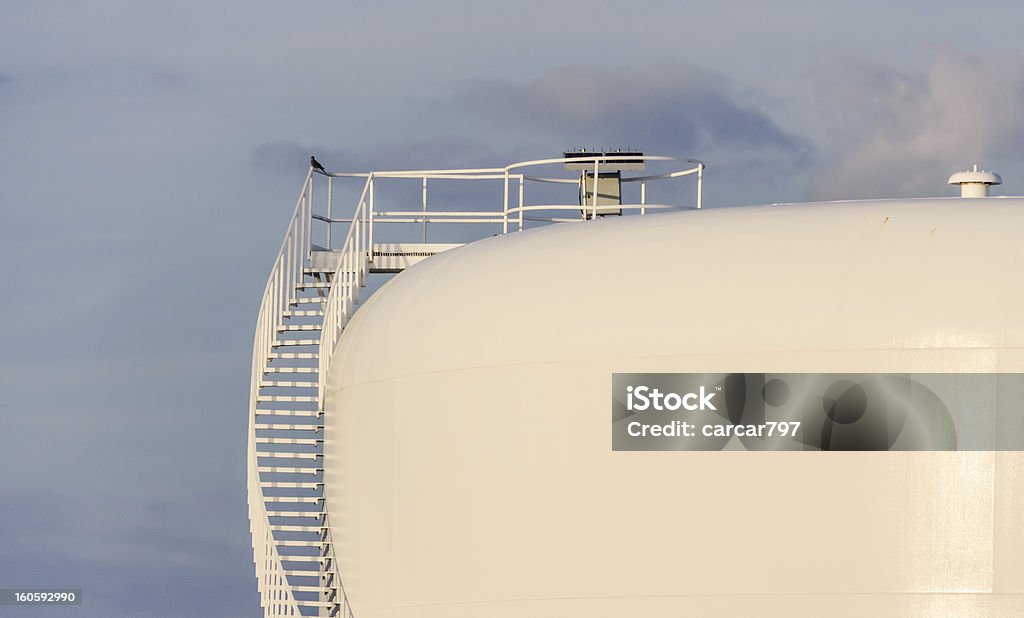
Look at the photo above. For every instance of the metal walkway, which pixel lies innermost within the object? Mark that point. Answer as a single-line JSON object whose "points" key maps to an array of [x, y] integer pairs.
{"points": [[312, 293]]}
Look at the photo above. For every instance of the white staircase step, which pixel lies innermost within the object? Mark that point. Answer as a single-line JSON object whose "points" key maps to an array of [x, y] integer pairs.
{"points": [[288, 464], [291, 484], [297, 413], [306, 441], [286, 426], [288, 384], [289, 528], [290, 543], [301, 573], [316, 603], [306, 514], [305, 300], [275, 462], [308, 561], [307, 588], [288, 328], [272, 460], [287, 455], [264, 454], [285, 398], [282, 500], [303, 314], [291, 370], [308, 426], [293, 355], [312, 560], [289, 469], [313, 285], [293, 342]]}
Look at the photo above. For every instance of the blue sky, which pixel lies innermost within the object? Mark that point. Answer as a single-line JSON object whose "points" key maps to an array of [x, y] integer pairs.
{"points": [[150, 154]]}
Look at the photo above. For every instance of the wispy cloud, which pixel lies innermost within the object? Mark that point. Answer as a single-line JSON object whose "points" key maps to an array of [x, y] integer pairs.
{"points": [[898, 133], [674, 108]]}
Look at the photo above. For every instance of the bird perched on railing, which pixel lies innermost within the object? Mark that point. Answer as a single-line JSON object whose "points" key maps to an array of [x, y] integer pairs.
{"points": [[316, 165]]}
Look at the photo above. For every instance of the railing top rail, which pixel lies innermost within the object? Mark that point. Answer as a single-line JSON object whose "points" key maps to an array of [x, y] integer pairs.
{"points": [[500, 172], [594, 159], [418, 173], [291, 226], [587, 207]]}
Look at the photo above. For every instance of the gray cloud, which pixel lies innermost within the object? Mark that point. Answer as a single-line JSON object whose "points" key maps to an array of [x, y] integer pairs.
{"points": [[677, 108], [144, 221], [900, 133]]}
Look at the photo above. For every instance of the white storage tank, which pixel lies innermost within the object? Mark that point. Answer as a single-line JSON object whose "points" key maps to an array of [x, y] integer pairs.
{"points": [[469, 466]]}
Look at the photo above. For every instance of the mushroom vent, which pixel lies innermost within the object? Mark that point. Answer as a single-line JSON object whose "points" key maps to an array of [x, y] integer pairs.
{"points": [[975, 183]]}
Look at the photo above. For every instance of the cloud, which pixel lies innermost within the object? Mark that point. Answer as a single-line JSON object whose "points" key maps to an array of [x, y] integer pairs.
{"points": [[900, 134], [674, 109]]}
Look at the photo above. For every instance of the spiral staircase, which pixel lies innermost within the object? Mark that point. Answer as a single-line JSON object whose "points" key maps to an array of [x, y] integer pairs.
{"points": [[311, 294]]}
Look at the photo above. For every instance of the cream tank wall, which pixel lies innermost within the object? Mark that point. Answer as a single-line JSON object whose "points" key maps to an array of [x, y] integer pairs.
{"points": [[469, 467]]}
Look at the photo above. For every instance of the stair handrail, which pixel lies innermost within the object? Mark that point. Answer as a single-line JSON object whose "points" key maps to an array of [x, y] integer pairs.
{"points": [[350, 270], [349, 274], [275, 594]]}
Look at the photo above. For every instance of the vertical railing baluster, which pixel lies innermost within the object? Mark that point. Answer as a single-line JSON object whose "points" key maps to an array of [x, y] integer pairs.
{"points": [[522, 181], [371, 207], [700, 183], [504, 225], [330, 209], [308, 215]]}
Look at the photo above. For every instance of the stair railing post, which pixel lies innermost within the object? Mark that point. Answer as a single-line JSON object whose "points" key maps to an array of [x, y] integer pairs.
{"points": [[424, 209], [370, 214], [307, 220], [278, 298], [522, 181], [289, 277], [330, 209], [700, 184], [504, 228], [296, 235], [357, 221], [365, 216]]}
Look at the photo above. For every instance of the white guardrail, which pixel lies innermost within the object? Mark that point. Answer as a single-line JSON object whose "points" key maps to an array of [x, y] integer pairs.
{"points": [[275, 594], [354, 257]]}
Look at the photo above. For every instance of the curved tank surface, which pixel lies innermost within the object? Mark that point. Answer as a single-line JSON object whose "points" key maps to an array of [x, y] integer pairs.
{"points": [[469, 466]]}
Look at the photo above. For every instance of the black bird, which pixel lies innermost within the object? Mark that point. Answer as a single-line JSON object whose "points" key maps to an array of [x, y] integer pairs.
{"points": [[316, 165]]}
